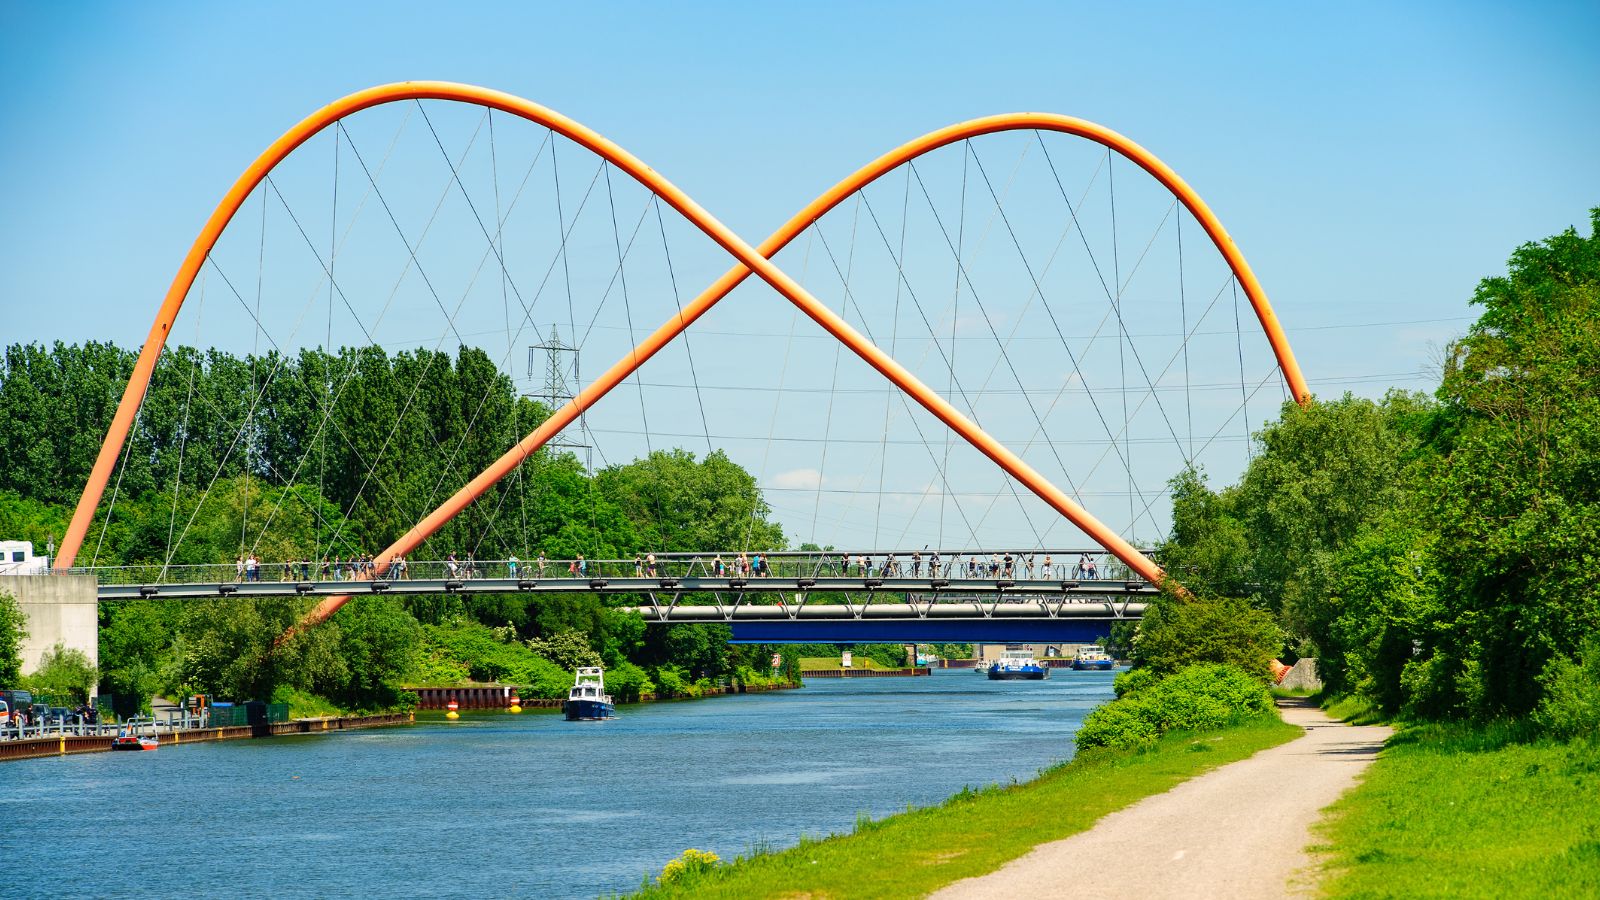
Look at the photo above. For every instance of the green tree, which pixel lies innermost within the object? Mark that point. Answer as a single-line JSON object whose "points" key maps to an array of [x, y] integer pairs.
{"points": [[568, 649], [13, 628], [1383, 604], [64, 674], [236, 649], [1208, 549], [1514, 492], [380, 646], [138, 656], [1176, 633]]}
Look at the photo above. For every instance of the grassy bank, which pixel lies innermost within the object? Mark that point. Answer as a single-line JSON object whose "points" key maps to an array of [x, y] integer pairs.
{"points": [[912, 853], [1463, 811]]}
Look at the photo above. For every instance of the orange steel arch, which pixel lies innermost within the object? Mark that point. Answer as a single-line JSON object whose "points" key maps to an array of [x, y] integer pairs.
{"points": [[749, 260]]}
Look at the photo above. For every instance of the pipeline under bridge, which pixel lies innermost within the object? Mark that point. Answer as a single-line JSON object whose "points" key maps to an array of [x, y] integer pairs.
{"points": [[1000, 620]]}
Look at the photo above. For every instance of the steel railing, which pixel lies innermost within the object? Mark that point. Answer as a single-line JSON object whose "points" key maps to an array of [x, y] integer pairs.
{"points": [[977, 565]]}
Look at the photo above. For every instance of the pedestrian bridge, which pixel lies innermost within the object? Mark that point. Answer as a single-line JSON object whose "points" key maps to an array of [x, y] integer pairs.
{"points": [[1058, 447], [789, 597]]}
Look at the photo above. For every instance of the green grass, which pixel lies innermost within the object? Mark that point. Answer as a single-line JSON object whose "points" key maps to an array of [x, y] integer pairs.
{"points": [[1353, 709], [974, 832], [305, 705], [1300, 693], [1460, 811]]}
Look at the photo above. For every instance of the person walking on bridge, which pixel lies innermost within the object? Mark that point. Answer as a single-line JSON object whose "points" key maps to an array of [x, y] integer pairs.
{"points": [[650, 564]]}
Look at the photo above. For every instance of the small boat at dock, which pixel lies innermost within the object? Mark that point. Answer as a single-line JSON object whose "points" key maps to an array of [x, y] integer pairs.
{"points": [[588, 700], [128, 737]]}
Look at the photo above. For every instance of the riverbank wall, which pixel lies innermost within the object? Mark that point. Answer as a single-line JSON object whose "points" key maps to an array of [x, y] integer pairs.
{"points": [[867, 673], [499, 696], [63, 745]]}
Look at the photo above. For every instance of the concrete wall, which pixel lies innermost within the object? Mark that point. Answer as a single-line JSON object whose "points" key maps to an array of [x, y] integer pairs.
{"points": [[60, 609], [1302, 676]]}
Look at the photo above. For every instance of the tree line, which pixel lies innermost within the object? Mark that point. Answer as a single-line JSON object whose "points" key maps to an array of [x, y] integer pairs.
{"points": [[1436, 552], [334, 455], [323, 454]]}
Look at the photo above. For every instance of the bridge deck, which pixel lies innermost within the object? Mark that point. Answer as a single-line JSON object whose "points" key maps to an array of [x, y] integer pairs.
{"points": [[928, 587]]}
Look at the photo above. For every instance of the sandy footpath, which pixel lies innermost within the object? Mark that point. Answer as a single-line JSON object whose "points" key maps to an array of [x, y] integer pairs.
{"points": [[1238, 832]]}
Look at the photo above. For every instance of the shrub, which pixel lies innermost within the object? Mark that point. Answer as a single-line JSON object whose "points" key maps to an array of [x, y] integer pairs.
{"points": [[1132, 681], [1120, 723], [688, 867], [485, 657], [673, 681], [1198, 698], [1571, 704]]}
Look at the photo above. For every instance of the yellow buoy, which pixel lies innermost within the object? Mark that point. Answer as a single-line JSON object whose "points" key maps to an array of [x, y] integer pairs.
{"points": [[452, 706], [516, 704]]}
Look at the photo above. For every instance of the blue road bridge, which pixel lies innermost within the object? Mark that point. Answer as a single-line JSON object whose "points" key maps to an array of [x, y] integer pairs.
{"points": [[795, 596]]}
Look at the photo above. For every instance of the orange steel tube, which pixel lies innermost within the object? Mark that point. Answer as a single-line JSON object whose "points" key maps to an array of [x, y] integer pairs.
{"points": [[750, 260]]}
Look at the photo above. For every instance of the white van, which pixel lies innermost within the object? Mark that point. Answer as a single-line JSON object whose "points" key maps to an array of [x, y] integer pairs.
{"points": [[16, 558]]}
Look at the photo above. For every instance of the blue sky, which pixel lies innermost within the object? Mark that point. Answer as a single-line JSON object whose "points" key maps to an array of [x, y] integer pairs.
{"points": [[1373, 161]]}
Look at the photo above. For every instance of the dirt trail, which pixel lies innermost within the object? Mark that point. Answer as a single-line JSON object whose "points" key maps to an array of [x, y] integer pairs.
{"points": [[1238, 832]]}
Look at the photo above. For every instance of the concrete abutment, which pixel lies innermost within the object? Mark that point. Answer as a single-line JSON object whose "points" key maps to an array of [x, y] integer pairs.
{"points": [[60, 609]]}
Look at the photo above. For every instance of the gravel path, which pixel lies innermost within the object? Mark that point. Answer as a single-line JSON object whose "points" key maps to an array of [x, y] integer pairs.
{"points": [[1238, 832]]}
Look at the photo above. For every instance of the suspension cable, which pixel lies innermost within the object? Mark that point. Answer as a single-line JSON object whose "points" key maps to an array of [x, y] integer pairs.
{"points": [[677, 300], [905, 403], [1183, 314], [833, 384], [1238, 340], [1114, 300]]}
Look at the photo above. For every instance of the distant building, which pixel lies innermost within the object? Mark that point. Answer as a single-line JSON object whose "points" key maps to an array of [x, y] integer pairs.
{"points": [[16, 558]]}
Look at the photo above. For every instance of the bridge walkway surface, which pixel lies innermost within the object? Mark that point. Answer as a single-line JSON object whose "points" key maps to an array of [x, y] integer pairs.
{"points": [[1240, 831]]}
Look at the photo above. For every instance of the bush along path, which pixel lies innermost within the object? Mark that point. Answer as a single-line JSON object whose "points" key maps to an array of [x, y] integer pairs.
{"points": [[1159, 732], [1240, 831]]}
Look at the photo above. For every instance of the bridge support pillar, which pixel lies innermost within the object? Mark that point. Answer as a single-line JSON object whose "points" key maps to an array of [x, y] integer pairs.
{"points": [[60, 609]]}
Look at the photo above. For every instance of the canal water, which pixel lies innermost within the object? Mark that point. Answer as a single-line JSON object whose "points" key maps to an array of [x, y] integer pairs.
{"points": [[498, 804]]}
